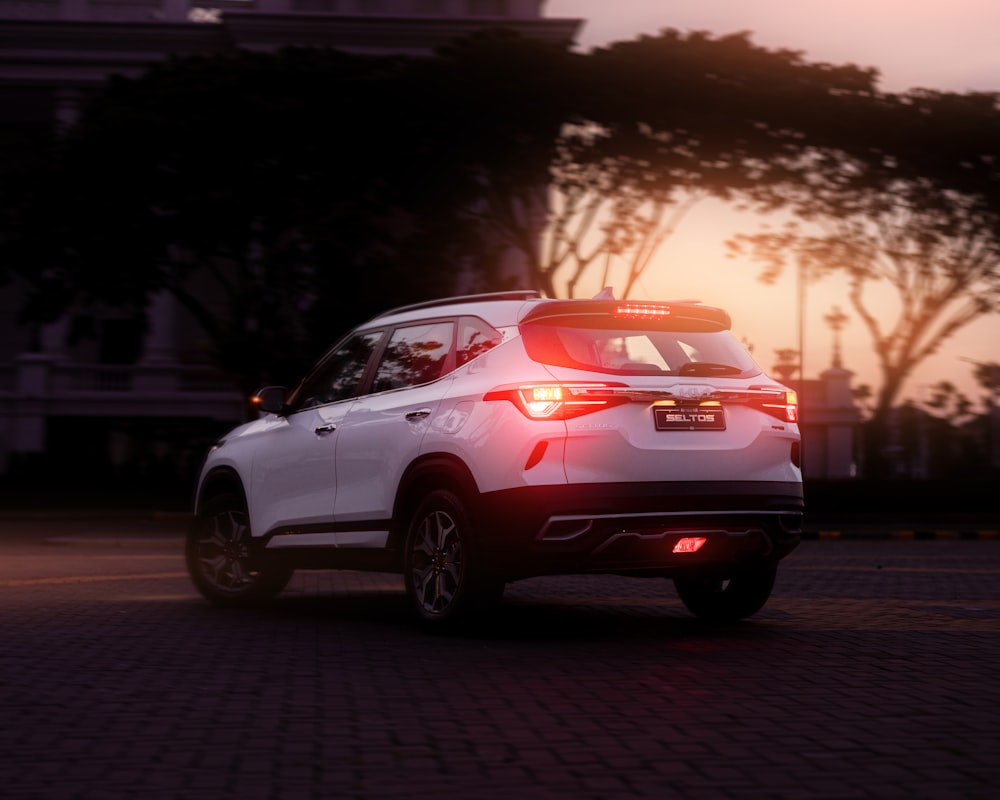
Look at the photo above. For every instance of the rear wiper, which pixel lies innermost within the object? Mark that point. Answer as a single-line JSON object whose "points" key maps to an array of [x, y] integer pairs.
{"points": [[706, 368]]}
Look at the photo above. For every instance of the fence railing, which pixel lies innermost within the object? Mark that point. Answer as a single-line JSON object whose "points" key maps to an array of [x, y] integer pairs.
{"points": [[40, 384]]}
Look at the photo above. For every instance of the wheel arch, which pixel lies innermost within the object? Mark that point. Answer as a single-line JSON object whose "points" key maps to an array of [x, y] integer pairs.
{"points": [[218, 481], [429, 472]]}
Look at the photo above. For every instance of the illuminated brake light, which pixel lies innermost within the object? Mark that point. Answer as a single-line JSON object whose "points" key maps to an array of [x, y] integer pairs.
{"points": [[781, 404], [641, 311], [689, 544], [542, 401], [792, 406], [538, 398], [557, 401]]}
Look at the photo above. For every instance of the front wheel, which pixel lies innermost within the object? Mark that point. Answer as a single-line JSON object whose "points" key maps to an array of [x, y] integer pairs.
{"points": [[727, 600], [445, 579], [220, 556]]}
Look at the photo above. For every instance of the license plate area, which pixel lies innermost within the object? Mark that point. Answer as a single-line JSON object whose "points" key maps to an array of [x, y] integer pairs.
{"points": [[689, 418]]}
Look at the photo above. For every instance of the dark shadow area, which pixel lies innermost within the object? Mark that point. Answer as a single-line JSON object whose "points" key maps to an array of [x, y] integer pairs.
{"points": [[106, 463], [517, 620], [76, 483], [898, 500]]}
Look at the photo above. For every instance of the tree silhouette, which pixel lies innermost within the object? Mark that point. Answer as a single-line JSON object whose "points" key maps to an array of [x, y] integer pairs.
{"points": [[787, 363], [649, 129], [281, 198], [913, 207], [938, 251]]}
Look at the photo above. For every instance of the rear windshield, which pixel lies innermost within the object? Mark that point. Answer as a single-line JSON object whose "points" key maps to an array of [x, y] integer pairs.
{"points": [[632, 351]]}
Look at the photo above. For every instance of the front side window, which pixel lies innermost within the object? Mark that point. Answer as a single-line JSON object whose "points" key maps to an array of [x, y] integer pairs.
{"points": [[415, 354], [339, 375]]}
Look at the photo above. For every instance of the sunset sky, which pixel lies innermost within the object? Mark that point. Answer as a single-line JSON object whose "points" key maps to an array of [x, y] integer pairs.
{"points": [[952, 46]]}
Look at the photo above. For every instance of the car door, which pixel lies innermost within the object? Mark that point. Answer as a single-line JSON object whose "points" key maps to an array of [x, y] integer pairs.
{"points": [[294, 479], [383, 430]]}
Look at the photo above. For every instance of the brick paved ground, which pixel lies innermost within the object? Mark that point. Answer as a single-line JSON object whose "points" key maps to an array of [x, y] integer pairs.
{"points": [[872, 673]]}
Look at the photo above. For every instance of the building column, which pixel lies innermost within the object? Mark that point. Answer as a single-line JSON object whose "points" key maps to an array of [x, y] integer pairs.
{"points": [[67, 109], [160, 343], [842, 420], [34, 378], [157, 368], [52, 338]]}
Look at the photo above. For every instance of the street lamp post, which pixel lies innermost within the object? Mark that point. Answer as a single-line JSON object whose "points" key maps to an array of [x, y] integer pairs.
{"points": [[836, 319], [802, 327]]}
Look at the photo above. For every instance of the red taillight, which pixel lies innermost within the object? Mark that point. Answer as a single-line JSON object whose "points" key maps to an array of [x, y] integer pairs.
{"points": [[689, 544], [780, 403], [557, 400], [792, 406]]}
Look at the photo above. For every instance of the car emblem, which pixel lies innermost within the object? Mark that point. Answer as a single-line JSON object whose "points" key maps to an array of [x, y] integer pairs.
{"points": [[689, 391]]}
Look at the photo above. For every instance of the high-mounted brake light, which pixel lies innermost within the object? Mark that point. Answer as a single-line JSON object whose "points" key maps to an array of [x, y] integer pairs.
{"points": [[557, 400], [641, 311]]}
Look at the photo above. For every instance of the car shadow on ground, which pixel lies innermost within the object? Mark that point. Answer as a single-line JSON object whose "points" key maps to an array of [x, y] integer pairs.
{"points": [[518, 619]]}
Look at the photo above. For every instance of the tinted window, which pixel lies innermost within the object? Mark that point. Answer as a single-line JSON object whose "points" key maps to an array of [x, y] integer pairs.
{"points": [[339, 375], [637, 352], [475, 337], [415, 354]]}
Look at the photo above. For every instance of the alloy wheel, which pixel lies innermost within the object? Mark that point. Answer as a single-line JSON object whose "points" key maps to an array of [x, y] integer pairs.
{"points": [[437, 562]]}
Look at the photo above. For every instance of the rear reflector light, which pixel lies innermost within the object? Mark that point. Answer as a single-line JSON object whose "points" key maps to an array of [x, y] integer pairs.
{"points": [[557, 400], [689, 544]]}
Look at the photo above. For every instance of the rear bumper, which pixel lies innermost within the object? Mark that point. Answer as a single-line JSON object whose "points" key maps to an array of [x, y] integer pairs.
{"points": [[632, 528]]}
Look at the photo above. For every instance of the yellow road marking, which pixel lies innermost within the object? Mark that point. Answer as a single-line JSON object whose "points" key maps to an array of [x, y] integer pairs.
{"points": [[90, 579], [875, 568]]}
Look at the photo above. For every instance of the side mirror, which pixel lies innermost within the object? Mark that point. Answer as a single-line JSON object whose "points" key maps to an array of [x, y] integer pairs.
{"points": [[270, 399]]}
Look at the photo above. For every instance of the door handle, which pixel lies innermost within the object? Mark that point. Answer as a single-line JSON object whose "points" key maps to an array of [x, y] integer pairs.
{"points": [[324, 429], [418, 413]]}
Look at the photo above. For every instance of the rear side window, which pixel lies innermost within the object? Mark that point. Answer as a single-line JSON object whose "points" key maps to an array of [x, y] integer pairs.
{"points": [[631, 351], [475, 337], [415, 354]]}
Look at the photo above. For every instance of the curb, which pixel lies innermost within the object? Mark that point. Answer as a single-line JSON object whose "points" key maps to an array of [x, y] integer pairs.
{"points": [[902, 535], [34, 515], [157, 541]]}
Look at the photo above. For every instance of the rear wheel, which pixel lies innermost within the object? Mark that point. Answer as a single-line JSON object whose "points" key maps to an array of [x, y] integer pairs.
{"points": [[220, 557], [445, 579], [727, 600]]}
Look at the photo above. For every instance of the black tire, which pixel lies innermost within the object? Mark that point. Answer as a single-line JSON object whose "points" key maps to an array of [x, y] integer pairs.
{"points": [[221, 559], [446, 582], [719, 600]]}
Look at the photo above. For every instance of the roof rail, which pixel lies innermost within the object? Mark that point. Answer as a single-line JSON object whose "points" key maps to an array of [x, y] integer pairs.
{"points": [[519, 294]]}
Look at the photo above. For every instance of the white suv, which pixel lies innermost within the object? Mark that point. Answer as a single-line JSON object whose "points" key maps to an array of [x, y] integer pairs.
{"points": [[478, 440]]}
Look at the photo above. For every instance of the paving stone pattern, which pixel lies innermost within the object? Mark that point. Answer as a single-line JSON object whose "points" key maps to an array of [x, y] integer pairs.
{"points": [[872, 673]]}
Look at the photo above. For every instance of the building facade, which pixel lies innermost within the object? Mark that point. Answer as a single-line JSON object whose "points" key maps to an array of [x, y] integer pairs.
{"points": [[149, 414], [829, 424]]}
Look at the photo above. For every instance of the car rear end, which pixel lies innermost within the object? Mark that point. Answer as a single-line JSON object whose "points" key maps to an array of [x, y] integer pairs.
{"points": [[678, 455]]}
